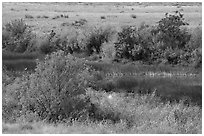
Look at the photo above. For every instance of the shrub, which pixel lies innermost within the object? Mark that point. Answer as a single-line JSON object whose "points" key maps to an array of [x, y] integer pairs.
{"points": [[47, 45], [103, 17], [44, 16], [170, 33], [56, 17], [172, 56], [66, 16], [16, 27], [96, 37], [29, 16], [134, 43], [19, 36], [80, 22], [65, 24], [55, 91], [69, 41], [133, 16]]}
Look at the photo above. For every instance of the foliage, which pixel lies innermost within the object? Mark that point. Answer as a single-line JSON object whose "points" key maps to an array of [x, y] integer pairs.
{"points": [[170, 33], [69, 41], [103, 17], [166, 43], [145, 113], [56, 89], [80, 22], [134, 43], [96, 37], [133, 16], [17, 36], [29, 16]]}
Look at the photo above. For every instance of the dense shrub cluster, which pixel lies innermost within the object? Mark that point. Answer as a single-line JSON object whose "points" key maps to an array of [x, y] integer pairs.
{"points": [[167, 42]]}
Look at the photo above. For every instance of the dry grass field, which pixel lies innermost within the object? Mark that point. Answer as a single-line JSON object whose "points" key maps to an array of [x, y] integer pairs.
{"points": [[115, 14]]}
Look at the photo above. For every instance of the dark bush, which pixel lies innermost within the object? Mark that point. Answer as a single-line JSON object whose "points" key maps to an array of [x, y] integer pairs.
{"points": [[80, 22], [66, 16], [44, 16], [133, 16], [134, 43], [29, 16], [170, 33], [96, 37], [56, 17], [103, 17]]}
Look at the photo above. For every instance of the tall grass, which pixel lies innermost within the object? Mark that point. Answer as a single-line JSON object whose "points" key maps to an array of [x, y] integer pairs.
{"points": [[116, 113]]}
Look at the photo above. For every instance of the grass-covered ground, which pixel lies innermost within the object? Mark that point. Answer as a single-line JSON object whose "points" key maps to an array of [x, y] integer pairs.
{"points": [[137, 115], [62, 73]]}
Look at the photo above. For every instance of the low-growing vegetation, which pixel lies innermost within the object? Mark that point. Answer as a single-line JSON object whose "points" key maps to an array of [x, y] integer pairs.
{"points": [[103, 17], [101, 80], [133, 16], [29, 16]]}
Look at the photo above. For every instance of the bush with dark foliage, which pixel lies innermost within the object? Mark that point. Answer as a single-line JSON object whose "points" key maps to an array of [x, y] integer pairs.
{"points": [[170, 33], [134, 43], [96, 37]]}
